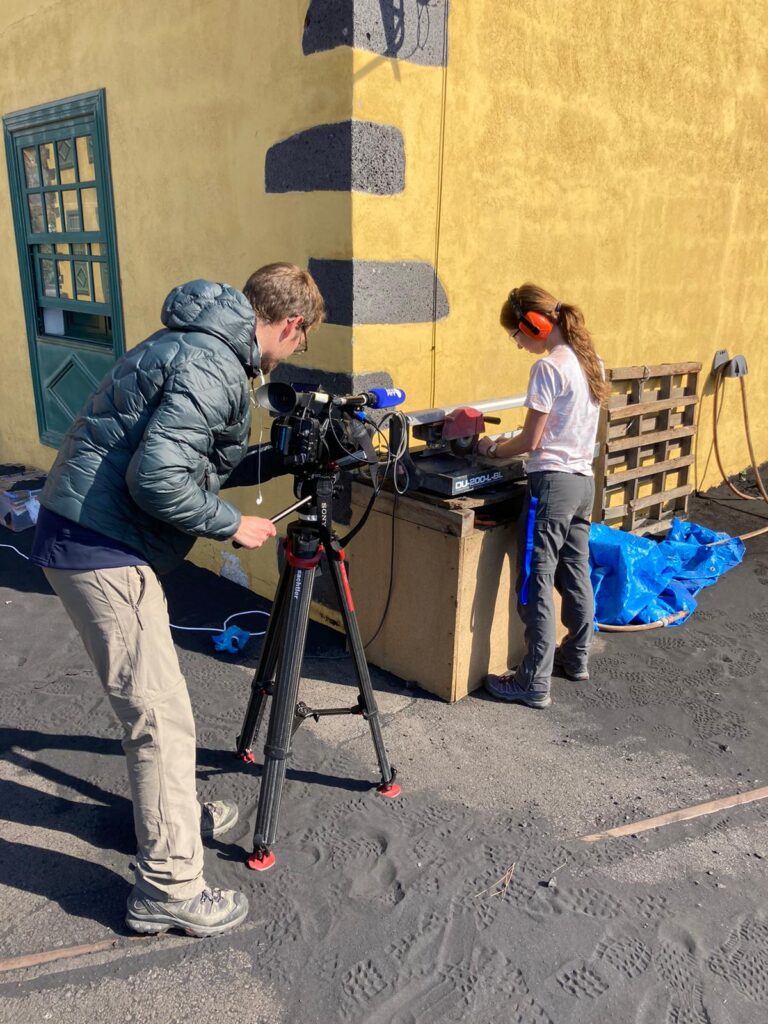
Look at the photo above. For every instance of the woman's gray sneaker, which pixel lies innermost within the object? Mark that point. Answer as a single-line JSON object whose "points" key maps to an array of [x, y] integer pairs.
{"points": [[577, 676], [211, 912], [505, 688]]}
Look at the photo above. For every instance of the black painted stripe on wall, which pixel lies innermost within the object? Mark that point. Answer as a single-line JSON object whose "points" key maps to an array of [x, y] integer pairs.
{"points": [[333, 383], [412, 30], [350, 156], [377, 292]]}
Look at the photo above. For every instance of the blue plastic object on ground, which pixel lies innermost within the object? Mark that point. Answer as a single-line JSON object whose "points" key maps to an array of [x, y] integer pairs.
{"points": [[232, 640], [637, 580]]}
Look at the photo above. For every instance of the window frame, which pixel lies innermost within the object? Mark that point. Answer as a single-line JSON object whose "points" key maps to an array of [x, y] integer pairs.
{"points": [[89, 109]]}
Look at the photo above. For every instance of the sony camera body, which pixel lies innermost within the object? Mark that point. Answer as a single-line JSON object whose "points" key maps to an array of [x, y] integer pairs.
{"points": [[316, 432]]}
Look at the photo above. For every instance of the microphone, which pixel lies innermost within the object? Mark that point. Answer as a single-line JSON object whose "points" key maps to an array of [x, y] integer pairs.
{"points": [[385, 398], [376, 398]]}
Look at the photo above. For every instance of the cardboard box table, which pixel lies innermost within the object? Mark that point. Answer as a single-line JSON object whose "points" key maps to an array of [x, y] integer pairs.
{"points": [[452, 615]]}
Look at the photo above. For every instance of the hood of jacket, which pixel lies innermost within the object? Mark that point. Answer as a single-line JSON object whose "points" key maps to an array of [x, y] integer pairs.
{"points": [[217, 309]]}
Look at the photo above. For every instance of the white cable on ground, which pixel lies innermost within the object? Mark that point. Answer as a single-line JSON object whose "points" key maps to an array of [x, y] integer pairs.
{"points": [[16, 550], [187, 629], [221, 629]]}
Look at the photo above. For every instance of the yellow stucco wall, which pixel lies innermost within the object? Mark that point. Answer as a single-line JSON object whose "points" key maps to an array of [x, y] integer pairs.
{"points": [[614, 152], [195, 97]]}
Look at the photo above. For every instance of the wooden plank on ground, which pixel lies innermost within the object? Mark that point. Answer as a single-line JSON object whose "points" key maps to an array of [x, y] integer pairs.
{"points": [[686, 814]]}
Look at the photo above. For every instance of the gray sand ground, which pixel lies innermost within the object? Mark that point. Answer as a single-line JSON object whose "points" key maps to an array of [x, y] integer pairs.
{"points": [[393, 912]]}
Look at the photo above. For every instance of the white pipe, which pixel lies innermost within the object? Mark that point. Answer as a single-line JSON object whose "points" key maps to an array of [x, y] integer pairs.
{"points": [[490, 405]]}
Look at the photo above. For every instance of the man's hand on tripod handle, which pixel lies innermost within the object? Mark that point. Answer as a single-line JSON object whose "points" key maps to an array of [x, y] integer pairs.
{"points": [[252, 532], [275, 519]]}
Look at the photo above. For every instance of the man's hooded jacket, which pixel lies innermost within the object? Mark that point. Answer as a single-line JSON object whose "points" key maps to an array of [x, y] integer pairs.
{"points": [[145, 458]]}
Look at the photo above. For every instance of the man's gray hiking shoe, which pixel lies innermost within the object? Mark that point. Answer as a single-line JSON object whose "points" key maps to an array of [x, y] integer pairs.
{"points": [[217, 816], [211, 912]]}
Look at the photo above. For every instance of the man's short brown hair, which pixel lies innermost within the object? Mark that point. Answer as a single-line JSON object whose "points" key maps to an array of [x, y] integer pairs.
{"points": [[281, 290]]}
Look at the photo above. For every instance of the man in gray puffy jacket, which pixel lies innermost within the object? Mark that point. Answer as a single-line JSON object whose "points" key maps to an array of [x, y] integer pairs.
{"points": [[135, 482]]}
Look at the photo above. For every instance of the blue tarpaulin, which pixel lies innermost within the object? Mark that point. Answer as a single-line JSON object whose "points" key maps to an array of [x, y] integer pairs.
{"points": [[638, 580]]}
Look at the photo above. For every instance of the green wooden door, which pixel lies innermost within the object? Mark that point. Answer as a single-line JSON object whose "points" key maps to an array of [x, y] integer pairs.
{"points": [[60, 187]]}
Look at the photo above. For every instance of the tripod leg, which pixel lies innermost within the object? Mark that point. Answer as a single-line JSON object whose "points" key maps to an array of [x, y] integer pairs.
{"points": [[388, 785], [281, 720], [265, 673]]}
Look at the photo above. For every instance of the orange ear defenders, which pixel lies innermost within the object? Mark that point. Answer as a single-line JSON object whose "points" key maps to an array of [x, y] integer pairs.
{"points": [[532, 324]]}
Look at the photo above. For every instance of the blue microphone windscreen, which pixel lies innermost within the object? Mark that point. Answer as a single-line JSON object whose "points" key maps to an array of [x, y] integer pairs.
{"points": [[386, 398]]}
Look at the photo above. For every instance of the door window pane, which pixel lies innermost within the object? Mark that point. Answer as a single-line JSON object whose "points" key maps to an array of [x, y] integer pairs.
{"points": [[64, 269], [80, 248], [100, 282], [71, 211], [53, 211], [87, 171], [31, 170], [66, 161], [48, 164], [62, 250], [48, 278], [36, 215], [90, 209], [82, 280]]}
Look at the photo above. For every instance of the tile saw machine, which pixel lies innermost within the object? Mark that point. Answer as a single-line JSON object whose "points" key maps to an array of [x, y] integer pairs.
{"points": [[447, 462]]}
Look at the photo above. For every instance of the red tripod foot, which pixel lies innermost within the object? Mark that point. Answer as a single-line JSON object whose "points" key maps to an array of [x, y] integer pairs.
{"points": [[247, 757], [260, 860], [388, 789]]}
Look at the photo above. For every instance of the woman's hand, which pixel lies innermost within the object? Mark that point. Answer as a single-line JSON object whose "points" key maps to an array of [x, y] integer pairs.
{"points": [[486, 446]]}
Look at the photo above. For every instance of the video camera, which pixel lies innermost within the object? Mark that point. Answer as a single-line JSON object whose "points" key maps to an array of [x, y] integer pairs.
{"points": [[317, 432]]}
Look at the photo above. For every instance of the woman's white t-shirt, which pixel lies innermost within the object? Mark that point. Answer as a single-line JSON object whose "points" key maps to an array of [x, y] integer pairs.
{"points": [[557, 385]]}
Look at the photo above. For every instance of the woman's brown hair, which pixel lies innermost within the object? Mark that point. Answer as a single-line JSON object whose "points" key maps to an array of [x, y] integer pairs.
{"points": [[530, 298]]}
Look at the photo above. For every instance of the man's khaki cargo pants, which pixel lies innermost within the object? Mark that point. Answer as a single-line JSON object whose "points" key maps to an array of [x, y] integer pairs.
{"points": [[122, 617]]}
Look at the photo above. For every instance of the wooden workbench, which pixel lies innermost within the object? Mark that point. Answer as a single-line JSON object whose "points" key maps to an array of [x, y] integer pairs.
{"points": [[452, 615]]}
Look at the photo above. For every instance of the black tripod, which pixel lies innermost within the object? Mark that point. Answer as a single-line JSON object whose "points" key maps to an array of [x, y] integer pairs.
{"points": [[279, 668]]}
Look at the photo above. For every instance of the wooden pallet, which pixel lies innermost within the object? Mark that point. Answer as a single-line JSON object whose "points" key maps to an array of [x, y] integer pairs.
{"points": [[646, 447]]}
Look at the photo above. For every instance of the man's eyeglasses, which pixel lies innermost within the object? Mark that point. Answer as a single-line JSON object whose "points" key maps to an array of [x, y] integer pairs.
{"points": [[302, 345]]}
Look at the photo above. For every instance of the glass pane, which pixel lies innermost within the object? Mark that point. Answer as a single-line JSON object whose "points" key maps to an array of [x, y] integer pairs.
{"points": [[85, 158], [48, 164], [71, 211], [45, 248], [64, 269], [90, 209], [36, 215], [31, 170], [62, 250], [53, 211], [48, 278], [98, 250], [80, 248], [100, 282], [66, 161], [82, 280]]}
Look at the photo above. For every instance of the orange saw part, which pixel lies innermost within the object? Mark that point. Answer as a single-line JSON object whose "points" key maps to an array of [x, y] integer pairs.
{"points": [[463, 422]]}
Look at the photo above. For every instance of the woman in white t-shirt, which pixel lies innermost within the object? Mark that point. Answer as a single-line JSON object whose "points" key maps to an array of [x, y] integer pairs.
{"points": [[565, 390]]}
